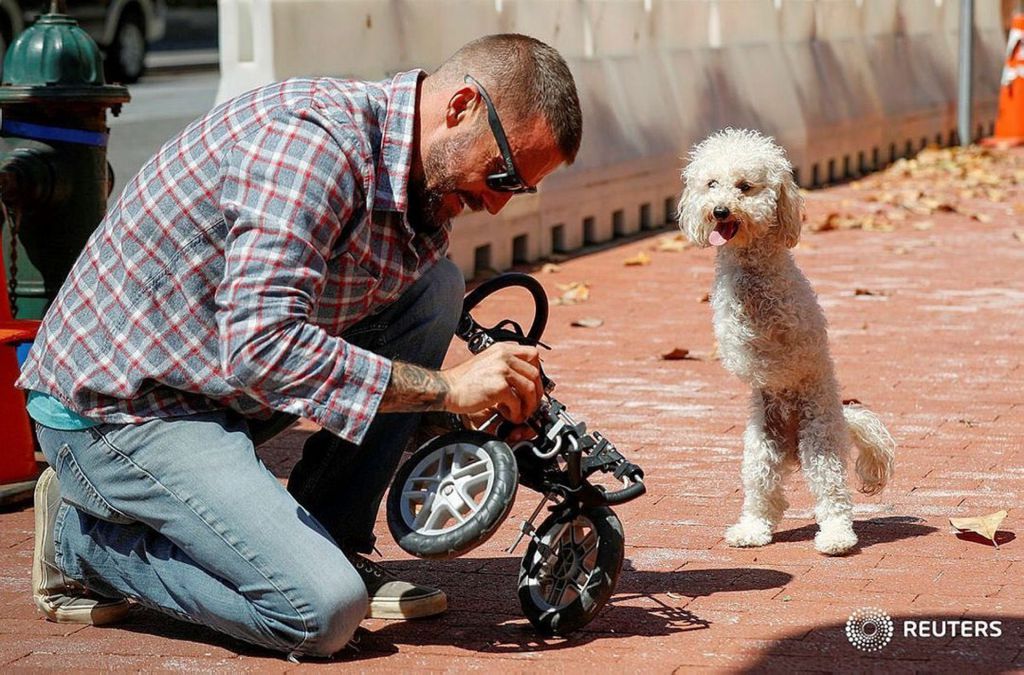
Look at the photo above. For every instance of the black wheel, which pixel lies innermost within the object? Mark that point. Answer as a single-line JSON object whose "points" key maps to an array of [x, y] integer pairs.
{"points": [[452, 494], [567, 577], [126, 55]]}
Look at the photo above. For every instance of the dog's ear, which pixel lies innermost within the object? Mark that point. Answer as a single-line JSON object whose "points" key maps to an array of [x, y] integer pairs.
{"points": [[687, 216], [789, 208]]}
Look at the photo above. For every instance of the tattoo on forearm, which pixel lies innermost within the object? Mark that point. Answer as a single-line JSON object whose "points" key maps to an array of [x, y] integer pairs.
{"points": [[414, 389]]}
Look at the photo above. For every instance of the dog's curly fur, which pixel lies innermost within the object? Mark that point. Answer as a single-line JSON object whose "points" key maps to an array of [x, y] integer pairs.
{"points": [[739, 194]]}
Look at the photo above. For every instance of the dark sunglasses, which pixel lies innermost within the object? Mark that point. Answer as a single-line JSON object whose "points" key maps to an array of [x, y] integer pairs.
{"points": [[508, 180]]}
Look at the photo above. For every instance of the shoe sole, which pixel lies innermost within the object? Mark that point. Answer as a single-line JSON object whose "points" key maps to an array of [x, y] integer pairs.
{"points": [[97, 614], [410, 609], [42, 507]]}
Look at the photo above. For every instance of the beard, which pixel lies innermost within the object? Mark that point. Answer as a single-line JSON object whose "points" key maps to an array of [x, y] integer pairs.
{"points": [[426, 204]]}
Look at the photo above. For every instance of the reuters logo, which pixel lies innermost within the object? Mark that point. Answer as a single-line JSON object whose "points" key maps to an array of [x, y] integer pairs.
{"points": [[869, 629]]}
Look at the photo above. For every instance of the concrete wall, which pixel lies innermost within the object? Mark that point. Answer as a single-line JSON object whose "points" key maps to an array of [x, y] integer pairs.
{"points": [[846, 85]]}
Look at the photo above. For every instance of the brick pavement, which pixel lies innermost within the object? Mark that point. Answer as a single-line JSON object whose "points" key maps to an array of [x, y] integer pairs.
{"points": [[931, 341]]}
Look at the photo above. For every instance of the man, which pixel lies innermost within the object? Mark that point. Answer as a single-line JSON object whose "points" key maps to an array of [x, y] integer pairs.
{"points": [[283, 256]]}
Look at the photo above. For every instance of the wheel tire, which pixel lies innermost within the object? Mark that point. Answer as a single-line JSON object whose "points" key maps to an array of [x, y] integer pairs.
{"points": [[541, 576], [126, 55], [420, 507]]}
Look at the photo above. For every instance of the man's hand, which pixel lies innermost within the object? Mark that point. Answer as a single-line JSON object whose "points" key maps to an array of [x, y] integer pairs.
{"points": [[505, 377]]}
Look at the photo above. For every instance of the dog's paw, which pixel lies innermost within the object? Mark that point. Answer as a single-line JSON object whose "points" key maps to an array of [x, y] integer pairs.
{"points": [[835, 538], [748, 533]]}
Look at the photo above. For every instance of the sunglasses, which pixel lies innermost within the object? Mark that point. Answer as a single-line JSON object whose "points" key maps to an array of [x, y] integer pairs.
{"points": [[508, 180]]}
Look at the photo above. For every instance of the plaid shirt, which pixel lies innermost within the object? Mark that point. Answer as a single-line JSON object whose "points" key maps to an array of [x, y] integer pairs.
{"points": [[231, 264]]}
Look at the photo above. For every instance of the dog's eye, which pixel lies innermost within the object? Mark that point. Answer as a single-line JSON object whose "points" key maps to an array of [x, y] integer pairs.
{"points": [[744, 187], [712, 183]]}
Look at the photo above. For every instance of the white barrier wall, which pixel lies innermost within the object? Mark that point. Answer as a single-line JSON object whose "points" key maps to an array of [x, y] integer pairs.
{"points": [[846, 85]]}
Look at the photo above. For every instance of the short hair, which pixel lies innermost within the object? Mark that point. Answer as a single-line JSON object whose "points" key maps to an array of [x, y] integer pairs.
{"points": [[528, 77]]}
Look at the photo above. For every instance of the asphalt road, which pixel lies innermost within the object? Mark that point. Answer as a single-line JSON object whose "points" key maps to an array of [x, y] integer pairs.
{"points": [[162, 105]]}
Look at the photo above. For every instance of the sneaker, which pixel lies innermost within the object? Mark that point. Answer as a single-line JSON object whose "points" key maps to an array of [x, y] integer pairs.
{"points": [[58, 598], [391, 598]]}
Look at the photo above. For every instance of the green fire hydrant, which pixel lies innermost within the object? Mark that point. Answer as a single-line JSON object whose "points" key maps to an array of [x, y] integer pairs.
{"points": [[54, 176]]}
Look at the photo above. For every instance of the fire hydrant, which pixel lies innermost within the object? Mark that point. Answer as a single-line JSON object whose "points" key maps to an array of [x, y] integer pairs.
{"points": [[54, 176], [54, 183]]}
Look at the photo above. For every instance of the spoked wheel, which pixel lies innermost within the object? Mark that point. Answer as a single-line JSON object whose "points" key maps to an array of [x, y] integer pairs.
{"points": [[568, 575], [452, 494]]}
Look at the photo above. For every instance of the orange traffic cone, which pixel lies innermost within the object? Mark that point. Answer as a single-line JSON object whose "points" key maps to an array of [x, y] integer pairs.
{"points": [[18, 469], [1009, 129]]}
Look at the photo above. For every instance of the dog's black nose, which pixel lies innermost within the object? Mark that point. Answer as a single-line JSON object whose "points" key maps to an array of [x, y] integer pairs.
{"points": [[720, 212]]}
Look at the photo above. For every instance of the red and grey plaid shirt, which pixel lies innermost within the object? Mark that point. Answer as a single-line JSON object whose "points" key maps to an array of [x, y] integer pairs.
{"points": [[231, 264]]}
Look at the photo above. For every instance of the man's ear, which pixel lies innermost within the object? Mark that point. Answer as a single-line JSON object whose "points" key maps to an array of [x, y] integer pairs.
{"points": [[460, 105], [789, 209]]}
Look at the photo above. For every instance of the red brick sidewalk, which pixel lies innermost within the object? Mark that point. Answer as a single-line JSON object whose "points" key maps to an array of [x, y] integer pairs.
{"points": [[926, 329]]}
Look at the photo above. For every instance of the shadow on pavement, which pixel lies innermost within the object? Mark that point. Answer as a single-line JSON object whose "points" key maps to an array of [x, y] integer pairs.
{"points": [[1002, 537], [484, 613], [829, 649], [883, 530]]}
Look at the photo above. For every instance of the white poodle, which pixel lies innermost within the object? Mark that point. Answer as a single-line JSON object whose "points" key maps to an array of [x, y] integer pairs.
{"points": [[740, 197]]}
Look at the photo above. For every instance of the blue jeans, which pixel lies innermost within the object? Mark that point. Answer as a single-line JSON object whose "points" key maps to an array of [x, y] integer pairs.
{"points": [[180, 515]]}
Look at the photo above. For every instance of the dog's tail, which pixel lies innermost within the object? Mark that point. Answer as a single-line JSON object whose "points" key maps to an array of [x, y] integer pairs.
{"points": [[875, 445]]}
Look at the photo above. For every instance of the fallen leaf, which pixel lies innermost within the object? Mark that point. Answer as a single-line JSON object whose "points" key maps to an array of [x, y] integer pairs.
{"points": [[673, 243], [986, 526], [704, 298], [924, 225], [588, 322], [868, 291], [572, 293], [550, 268], [674, 596], [981, 217], [831, 222], [640, 258], [677, 354], [1018, 235]]}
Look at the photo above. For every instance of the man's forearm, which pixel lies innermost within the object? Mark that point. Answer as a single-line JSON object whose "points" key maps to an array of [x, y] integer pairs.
{"points": [[414, 389]]}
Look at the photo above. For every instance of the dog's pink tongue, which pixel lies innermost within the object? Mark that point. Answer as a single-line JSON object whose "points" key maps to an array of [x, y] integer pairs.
{"points": [[717, 239]]}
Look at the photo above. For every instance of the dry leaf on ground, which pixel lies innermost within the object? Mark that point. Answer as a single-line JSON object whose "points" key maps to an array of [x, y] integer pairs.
{"points": [[677, 354], [588, 322], [550, 268], [572, 293], [1018, 235], [986, 526], [640, 258], [673, 243], [868, 291]]}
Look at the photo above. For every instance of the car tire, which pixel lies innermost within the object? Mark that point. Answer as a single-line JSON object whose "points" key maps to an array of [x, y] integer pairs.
{"points": [[126, 55]]}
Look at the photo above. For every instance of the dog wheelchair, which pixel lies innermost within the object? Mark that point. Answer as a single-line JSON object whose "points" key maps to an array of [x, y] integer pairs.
{"points": [[451, 495]]}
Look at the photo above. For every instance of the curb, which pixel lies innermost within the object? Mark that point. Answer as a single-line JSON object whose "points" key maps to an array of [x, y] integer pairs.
{"points": [[182, 59]]}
